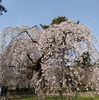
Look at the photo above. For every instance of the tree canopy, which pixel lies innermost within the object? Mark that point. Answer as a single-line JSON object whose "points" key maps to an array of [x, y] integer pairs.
{"points": [[50, 54]]}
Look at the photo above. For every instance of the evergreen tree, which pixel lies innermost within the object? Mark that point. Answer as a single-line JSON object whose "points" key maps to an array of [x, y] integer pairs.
{"points": [[86, 60], [2, 8], [58, 20]]}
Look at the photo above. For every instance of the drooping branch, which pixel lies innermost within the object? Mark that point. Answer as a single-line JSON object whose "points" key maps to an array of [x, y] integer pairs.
{"points": [[34, 41], [30, 58]]}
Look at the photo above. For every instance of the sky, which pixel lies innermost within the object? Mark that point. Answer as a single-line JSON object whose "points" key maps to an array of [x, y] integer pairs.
{"points": [[36, 12]]}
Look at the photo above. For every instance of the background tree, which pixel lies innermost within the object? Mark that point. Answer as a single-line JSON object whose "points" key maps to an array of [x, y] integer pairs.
{"points": [[86, 65], [2, 8], [86, 60], [44, 26], [58, 20]]}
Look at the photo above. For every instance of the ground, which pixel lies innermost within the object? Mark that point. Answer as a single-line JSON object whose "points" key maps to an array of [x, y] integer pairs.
{"points": [[56, 98]]}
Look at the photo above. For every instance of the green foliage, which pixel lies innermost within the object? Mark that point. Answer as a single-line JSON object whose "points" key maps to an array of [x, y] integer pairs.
{"points": [[83, 88], [21, 91], [86, 60], [2, 8], [44, 26], [58, 20], [12, 91], [31, 98]]}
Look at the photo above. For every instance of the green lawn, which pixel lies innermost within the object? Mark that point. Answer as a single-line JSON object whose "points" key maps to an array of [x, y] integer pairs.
{"points": [[57, 98]]}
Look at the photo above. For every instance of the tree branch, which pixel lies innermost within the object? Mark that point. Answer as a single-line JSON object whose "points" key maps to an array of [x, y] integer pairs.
{"points": [[30, 58], [30, 37]]}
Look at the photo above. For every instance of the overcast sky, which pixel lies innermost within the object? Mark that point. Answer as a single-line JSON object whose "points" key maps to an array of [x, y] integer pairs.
{"points": [[35, 12]]}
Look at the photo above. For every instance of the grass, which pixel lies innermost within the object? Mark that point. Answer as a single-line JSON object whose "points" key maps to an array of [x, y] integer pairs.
{"points": [[58, 98], [26, 99]]}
